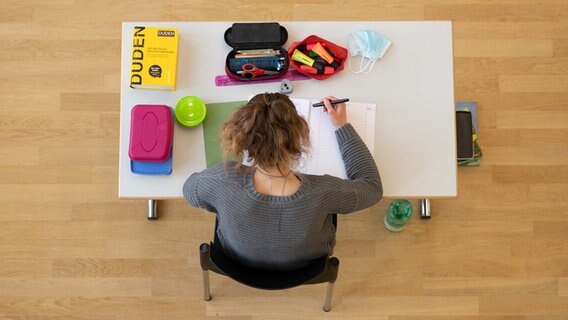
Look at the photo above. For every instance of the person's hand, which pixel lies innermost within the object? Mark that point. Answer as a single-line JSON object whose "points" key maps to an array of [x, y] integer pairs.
{"points": [[337, 112]]}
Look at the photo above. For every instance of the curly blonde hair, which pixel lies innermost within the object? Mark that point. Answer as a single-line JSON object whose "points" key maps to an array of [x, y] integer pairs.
{"points": [[268, 130]]}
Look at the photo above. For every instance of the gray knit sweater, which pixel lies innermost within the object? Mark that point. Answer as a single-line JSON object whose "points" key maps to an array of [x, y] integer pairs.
{"points": [[285, 232]]}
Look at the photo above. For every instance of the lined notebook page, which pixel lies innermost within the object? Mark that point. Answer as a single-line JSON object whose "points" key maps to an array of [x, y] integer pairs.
{"points": [[325, 157], [306, 165], [303, 107]]}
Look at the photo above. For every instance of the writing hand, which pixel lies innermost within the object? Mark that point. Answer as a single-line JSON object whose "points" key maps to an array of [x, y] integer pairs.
{"points": [[337, 113]]}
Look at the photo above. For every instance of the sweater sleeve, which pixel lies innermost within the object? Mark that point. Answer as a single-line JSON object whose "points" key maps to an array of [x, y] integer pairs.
{"points": [[364, 182], [195, 192]]}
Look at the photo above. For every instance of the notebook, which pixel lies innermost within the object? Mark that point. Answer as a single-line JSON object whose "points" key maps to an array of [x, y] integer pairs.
{"points": [[324, 157]]}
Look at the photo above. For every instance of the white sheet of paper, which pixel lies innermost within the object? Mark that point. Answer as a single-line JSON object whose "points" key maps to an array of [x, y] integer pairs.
{"points": [[324, 157]]}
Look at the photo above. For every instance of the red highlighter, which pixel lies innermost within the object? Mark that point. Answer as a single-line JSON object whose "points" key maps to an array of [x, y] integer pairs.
{"points": [[312, 70]]}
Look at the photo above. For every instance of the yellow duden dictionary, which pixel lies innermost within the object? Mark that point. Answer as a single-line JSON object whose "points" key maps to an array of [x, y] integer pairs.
{"points": [[154, 58]]}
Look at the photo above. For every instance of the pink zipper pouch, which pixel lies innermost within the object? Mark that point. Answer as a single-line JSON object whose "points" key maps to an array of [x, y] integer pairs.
{"points": [[151, 133]]}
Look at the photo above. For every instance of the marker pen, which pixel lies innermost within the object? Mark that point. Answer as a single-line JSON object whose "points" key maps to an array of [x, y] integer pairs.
{"points": [[307, 46], [337, 101], [312, 70], [302, 58], [322, 52]]}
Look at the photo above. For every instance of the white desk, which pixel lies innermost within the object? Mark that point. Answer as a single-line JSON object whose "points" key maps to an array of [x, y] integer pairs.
{"points": [[412, 85]]}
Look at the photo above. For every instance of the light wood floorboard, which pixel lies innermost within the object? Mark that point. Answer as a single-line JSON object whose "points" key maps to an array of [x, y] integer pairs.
{"points": [[69, 249]]}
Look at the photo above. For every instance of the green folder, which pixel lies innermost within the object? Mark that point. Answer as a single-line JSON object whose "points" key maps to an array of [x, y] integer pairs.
{"points": [[217, 114]]}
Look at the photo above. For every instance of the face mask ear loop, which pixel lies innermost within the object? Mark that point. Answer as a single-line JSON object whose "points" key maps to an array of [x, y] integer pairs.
{"points": [[349, 65], [361, 68], [371, 66]]}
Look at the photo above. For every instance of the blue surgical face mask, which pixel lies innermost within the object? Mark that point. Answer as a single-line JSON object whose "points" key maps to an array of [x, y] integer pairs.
{"points": [[370, 45]]}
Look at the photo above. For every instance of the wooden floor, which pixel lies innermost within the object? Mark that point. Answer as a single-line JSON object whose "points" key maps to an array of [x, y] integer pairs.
{"points": [[69, 249]]}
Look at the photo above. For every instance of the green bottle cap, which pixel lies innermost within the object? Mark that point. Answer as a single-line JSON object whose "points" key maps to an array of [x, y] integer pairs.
{"points": [[401, 209], [190, 111]]}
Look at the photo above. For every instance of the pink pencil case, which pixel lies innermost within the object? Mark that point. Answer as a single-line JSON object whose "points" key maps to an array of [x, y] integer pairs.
{"points": [[151, 133]]}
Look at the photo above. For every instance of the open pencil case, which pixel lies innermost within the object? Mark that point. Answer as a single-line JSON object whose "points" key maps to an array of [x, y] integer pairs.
{"points": [[257, 51]]}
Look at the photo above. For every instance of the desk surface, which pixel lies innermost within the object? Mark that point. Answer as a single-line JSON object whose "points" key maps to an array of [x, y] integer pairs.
{"points": [[412, 87]]}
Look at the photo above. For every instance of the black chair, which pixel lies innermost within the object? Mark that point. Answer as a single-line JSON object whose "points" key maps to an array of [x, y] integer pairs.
{"points": [[213, 258]]}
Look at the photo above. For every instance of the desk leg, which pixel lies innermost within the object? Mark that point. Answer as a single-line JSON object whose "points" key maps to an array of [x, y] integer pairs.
{"points": [[425, 208], [152, 209]]}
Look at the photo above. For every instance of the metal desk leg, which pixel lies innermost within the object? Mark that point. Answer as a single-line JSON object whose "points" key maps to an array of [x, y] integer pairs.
{"points": [[152, 209], [425, 208]]}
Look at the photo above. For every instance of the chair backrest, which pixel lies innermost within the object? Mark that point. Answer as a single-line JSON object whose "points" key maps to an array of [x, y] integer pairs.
{"points": [[213, 257]]}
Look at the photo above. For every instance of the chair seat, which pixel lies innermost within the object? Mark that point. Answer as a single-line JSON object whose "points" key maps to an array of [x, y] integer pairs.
{"points": [[265, 279]]}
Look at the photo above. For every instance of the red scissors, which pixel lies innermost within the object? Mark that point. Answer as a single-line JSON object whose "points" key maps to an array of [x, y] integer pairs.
{"points": [[251, 71]]}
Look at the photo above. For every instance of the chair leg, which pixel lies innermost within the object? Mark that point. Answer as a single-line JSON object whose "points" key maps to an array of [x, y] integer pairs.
{"points": [[206, 292], [328, 296]]}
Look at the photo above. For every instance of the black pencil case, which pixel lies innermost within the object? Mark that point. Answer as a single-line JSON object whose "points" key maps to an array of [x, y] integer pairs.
{"points": [[266, 39]]}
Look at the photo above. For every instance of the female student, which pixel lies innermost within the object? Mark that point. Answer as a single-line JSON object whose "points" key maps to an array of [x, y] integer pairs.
{"points": [[271, 216]]}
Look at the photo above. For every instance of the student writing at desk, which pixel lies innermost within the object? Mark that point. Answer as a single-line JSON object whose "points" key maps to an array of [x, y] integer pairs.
{"points": [[270, 216]]}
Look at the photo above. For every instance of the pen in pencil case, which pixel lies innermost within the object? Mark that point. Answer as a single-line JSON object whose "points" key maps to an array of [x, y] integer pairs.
{"points": [[321, 104]]}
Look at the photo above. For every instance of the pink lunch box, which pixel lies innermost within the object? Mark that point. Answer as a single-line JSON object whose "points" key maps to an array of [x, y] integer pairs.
{"points": [[151, 133]]}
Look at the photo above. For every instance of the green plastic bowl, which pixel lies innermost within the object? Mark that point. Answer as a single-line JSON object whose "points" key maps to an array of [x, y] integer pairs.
{"points": [[190, 111]]}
